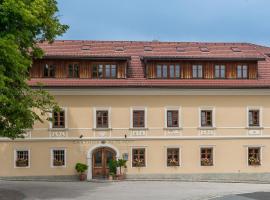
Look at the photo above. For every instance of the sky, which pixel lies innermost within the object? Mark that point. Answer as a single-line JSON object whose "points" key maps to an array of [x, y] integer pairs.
{"points": [[167, 20]]}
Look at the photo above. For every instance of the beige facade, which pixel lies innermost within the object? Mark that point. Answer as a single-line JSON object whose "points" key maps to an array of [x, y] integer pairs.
{"points": [[229, 137]]}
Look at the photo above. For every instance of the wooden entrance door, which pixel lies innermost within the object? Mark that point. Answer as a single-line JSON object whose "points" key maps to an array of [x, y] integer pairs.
{"points": [[101, 159]]}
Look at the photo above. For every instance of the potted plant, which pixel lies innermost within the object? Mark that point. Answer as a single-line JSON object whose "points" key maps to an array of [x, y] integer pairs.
{"points": [[138, 162], [112, 169], [206, 162], [58, 162], [254, 161], [81, 168], [121, 163], [21, 162], [173, 162]]}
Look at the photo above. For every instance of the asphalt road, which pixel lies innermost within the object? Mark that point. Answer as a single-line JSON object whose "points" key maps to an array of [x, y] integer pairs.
{"points": [[132, 190]]}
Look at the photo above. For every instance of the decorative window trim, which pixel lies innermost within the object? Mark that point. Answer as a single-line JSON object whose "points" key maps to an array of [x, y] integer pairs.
{"points": [[260, 108], [131, 155], [95, 109], [211, 108], [176, 108], [261, 154], [140, 108], [66, 119], [15, 157], [214, 154], [58, 148], [180, 155]]}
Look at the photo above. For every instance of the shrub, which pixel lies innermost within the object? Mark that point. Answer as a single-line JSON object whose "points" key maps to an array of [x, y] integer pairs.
{"points": [[81, 168]]}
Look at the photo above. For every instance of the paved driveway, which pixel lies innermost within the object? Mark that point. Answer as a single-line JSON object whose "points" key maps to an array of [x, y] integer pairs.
{"points": [[132, 190]]}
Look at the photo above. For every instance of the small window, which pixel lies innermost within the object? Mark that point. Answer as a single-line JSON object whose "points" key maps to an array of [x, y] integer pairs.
{"points": [[138, 119], [220, 71], [138, 157], [172, 118], [206, 118], [207, 157], [102, 119], [197, 71], [22, 158], [173, 157], [242, 71], [204, 49], [58, 158], [49, 71], [254, 118], [254, 156], [73, 71], [59, 119], [108, 71]]}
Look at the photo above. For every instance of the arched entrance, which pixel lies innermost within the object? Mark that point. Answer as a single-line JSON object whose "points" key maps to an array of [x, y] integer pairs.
{"points": [[98, 158], [100, 162]]}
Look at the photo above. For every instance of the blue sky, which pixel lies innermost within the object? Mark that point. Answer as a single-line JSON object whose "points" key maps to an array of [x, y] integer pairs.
{"points": [[167, 20]]}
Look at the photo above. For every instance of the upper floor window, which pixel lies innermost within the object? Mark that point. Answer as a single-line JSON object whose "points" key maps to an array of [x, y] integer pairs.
{"points": [[254, 117], [22, 158], [206, 118], [102, 119], [138, 118], [168, 71], [242, 71], [219, 71], [104, 71], [73, 71], [49, 71], [197, 71], [59, 119], [172, 118]]}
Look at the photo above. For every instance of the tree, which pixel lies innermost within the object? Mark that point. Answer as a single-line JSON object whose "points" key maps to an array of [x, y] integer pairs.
{"points": [[23, 25]]}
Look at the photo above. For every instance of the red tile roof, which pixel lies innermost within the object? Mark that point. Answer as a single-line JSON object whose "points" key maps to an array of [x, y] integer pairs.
{"points": [[138, 50]]}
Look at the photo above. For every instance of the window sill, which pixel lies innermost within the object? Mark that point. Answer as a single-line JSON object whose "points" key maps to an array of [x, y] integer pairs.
{"points": [[207, 128], [254, 128], [173, 128], [138, 129], [102, 129], [58, 129]]}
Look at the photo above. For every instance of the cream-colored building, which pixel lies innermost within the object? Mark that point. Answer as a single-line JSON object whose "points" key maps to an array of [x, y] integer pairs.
{"points": [[191, 111]]}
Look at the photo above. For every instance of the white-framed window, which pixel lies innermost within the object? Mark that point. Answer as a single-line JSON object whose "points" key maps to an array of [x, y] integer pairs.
{"points": [[138, 156], [173, 156], [138, 117], [254, 155], [242, 71], [254, 117], [207, 156], [59, 119], [207, 117], [197, 71], [220, 71], [58, 157], [22, 158], [102, 117], [172, 117]]}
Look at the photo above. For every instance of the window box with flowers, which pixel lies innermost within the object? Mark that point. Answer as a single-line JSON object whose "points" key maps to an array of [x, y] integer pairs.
{"points": [[21, 162], [138, 157], [207, 156], [58, 163]]}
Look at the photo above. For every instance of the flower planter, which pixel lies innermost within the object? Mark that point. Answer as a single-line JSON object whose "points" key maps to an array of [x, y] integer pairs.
{"points": [[82, 177], [57, 163]]}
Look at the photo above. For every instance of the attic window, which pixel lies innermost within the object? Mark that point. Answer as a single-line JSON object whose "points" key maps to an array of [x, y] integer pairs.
{"points": [[148, 48], [119, 49], [204, 49], [180, 49], [85, 47], [236, 49]]}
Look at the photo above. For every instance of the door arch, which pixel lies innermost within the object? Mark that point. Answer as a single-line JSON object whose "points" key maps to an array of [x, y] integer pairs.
{"points": [[94, 149]]}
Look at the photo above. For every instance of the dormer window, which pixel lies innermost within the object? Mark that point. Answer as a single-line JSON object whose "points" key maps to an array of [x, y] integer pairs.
{"points": [[197, 71], [49, 71], [73, 70], [108, 71], [242, 71], [220, 71], [165, 71]]}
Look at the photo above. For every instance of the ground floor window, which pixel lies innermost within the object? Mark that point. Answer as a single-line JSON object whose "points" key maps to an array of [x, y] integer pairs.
{"points": [[138, 157], [22, 158], [173, 157], [254, 156], [207, 156], [58, 157]]}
